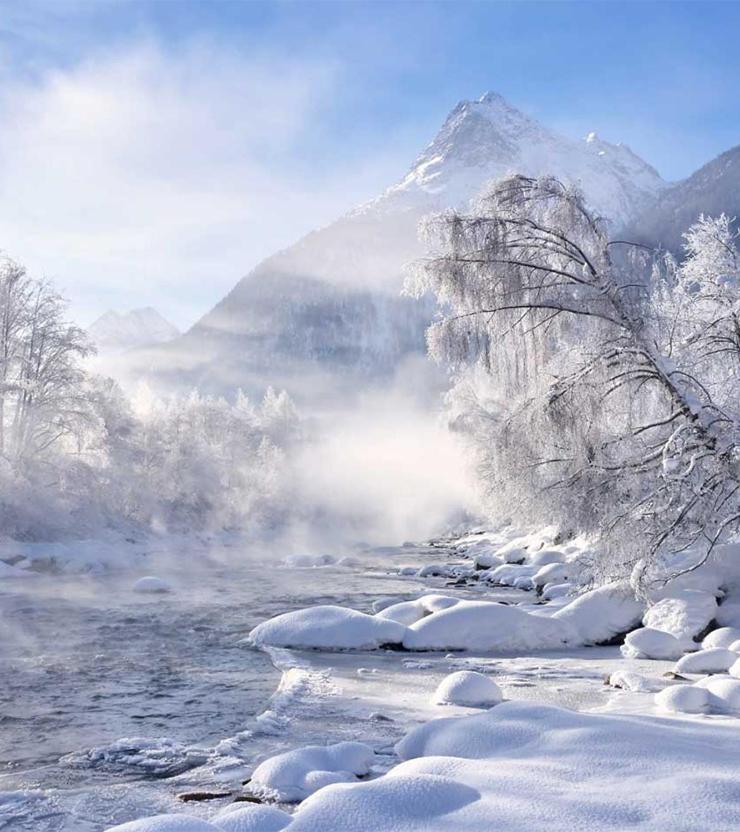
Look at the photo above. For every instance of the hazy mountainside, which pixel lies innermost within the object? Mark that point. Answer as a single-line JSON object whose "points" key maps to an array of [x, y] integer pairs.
{"points": [[119, 331], [330, 306], [714, 189]]}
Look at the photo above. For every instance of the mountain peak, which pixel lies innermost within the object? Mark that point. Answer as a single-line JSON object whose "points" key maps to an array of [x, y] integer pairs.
{"points": [[118, 331]]}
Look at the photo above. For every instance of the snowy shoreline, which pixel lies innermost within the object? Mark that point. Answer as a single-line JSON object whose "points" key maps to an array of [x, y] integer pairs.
{"points": [[429, 774]]}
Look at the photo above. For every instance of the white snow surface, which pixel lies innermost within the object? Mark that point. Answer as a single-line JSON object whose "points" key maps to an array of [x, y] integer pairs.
{"points": [[522, 766], [327, 627], [469, 689], [409, 612], [294, 775]]}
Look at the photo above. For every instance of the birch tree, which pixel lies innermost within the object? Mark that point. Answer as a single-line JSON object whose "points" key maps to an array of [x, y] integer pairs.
{"points": [[591, 422]]}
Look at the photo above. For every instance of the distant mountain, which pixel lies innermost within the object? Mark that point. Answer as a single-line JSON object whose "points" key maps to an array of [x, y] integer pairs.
{"points": [[714, 189], [329, 307], [118, 332]]}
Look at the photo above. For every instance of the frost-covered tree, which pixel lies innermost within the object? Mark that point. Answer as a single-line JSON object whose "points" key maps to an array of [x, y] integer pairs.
{"points": [[595, 416], [42, 394]]}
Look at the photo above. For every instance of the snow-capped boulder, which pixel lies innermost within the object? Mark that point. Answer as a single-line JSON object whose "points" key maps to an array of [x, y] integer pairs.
{"points": [[327, 627], [722, 637], [294, 775], [152, 585], [508, 573], [647, 643], [249, 817], [714, 660], [552, 591], [468, 688], [724, 693], [409, 612], [602, 614], [512, 554], [524, 583], [685, 614], [164, 823], [686, 699], [552, 573], [485, 626], [485, 560], [546, 557], [735, 666]]}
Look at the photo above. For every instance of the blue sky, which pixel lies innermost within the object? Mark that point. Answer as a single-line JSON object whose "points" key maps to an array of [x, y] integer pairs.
{"points": [[155, 151]]}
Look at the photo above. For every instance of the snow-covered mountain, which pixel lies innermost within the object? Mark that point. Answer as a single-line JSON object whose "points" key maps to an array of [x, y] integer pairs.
{"points": [[117, 331], [714, 189], [329, 307], [488, 138]]}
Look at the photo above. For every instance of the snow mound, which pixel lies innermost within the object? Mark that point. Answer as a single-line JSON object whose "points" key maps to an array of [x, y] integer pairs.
{"points": [[327, 627], [602, 614], [409, 612], [508, 573], [485, 626], [647, 643], [724, 693], [552, 573], [553, 591], [468, 688], [686, 699], [294, 775], [164, 823], [684, 615], [714, 660], [723, 637], [241, 817], [546, 557], [151, 584]]}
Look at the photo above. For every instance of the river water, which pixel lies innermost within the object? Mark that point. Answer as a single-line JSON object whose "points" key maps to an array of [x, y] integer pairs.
{"points": [[113, 705], [86, 662]]}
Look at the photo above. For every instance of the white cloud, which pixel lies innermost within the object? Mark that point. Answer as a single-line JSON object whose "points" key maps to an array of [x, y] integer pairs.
{"points": [[159, 177]]}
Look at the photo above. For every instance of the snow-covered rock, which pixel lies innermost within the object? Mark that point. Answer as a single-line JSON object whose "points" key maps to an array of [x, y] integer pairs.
{"points": [[722, 637], [485, 626], [552, 573], [486, 560], [512, 554], [687, 699], [327, 627], [728, 614], [552, 591], [468, 688], [508, 573], [164, 823], [294, 775], [602, 614], [246, 817], [647, 643], [724, 693], [151, 584], [684, 615], [546, 557], [409, 612], [714, 660]]}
